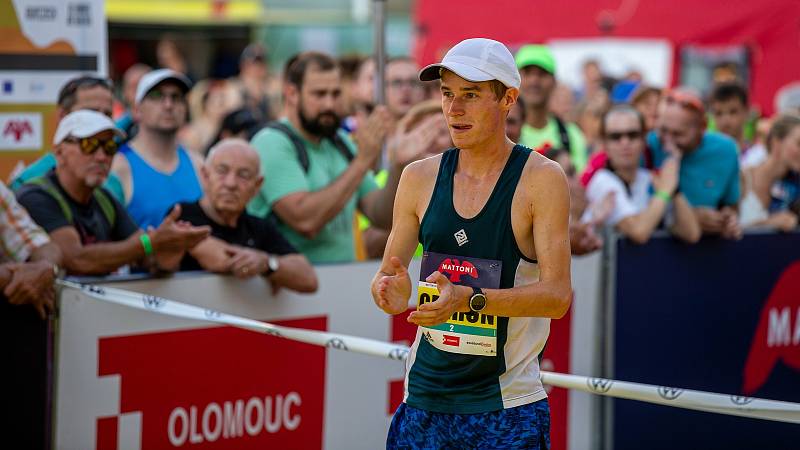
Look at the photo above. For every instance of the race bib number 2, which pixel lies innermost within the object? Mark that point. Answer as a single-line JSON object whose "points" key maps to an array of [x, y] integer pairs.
{"points": [[468, 333]]}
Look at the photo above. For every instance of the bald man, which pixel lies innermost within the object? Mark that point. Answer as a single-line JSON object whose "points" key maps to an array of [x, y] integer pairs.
{"points": [[241, 244]]}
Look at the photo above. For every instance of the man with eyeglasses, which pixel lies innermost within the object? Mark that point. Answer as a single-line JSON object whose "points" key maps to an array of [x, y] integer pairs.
{"points": [[155, 171], [709, 173], [83, 92], [94, 232], [241, 244], [403, 88]]}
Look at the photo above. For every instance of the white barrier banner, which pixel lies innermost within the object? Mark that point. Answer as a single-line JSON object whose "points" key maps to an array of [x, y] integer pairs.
{"points": [[669, 396]]}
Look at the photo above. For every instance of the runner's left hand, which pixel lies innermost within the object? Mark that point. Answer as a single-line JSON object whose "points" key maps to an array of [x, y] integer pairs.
{"points": [[452, 298]]}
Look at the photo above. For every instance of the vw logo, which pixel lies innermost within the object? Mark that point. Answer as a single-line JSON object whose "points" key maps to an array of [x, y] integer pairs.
{"points": [[398, 354], [599, 385], [94, 289], [211, 314], [153, 302], [275, 333], [669, 393], [741, 401], [336, 343]]}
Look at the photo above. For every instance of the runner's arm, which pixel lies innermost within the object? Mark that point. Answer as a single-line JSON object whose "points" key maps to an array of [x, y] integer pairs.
{"points": [[401, 244], [552, 294]]}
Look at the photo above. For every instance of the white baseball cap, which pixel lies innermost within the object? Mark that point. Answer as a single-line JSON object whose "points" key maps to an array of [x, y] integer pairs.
{"points": [[84, 123], [477, 59], [156, 77]]}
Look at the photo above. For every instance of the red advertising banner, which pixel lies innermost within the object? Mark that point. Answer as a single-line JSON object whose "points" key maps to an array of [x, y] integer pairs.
{"points": [[217, 388]]}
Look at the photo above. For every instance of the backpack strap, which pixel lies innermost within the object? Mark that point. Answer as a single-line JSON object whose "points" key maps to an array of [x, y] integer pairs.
{"points": [[562, 131], [45, 183], [342, 147], [106, 204], [300, 146], [297, 141]]}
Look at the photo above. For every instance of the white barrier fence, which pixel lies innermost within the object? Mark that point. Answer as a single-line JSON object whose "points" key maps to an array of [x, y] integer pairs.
{"points": [[663, 395], [131, 379]]}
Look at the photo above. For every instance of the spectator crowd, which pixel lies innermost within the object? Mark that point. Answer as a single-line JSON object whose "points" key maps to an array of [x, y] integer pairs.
{"points": [[266, 174]]}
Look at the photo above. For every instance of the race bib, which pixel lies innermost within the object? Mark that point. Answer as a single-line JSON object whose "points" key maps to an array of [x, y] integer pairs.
{"points": [[468, 333]]}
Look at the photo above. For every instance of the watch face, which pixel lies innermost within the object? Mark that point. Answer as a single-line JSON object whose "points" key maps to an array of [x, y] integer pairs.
{"points": [[273, 263], [477, 302]]}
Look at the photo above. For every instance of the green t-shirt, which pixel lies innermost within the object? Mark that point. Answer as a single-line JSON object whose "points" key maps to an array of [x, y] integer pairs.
{"points": [[283, 175], [537, 137]]}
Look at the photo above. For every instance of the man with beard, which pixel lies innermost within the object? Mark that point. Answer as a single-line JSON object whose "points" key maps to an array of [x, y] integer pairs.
{"points": [[93, 231], [314, 179], [155, 171]]}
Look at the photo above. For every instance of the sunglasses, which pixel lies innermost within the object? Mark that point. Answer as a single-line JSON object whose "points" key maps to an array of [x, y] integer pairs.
{"points": [[618, 135], [159, 96], [91, 144]]}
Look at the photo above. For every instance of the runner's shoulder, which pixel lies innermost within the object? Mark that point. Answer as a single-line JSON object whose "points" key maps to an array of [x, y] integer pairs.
{"points": [[420, 172], [543, 175]]}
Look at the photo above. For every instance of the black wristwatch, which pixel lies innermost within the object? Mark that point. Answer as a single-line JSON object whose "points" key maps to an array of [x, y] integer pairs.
{"points": [[478, 300], [272, 265]]}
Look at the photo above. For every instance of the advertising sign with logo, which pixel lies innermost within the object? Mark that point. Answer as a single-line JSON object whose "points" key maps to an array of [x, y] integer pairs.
{"points": [[238, 402], [21, 131], [45, 43], [719, 316]]}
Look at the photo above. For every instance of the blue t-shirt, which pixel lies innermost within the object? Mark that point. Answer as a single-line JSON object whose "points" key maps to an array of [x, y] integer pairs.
{"points": [[709, 175], [154, 192]]}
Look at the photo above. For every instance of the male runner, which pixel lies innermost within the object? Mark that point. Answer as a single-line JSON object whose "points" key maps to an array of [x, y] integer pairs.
{"points": [[492, 217]]}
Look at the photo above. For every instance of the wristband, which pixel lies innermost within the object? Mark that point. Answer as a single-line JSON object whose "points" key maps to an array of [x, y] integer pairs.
{"points": [[144, 238], [663, 195]]}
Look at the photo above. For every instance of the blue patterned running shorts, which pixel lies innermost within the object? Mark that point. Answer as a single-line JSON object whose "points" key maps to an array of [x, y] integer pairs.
{"points": [[523, 427]]}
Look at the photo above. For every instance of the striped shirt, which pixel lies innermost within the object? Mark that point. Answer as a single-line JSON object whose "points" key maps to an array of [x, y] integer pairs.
{"points": [[19, 235]]}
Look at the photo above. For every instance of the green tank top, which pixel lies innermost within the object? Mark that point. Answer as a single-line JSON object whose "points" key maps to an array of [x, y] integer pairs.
{"points": [[467, 365]]}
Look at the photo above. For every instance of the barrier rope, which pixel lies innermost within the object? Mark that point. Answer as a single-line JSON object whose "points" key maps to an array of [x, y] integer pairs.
{"points": [[663, 395]]}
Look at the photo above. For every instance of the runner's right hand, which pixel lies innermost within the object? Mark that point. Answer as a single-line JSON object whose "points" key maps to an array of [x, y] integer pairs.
{"points": [[393, 291]]}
